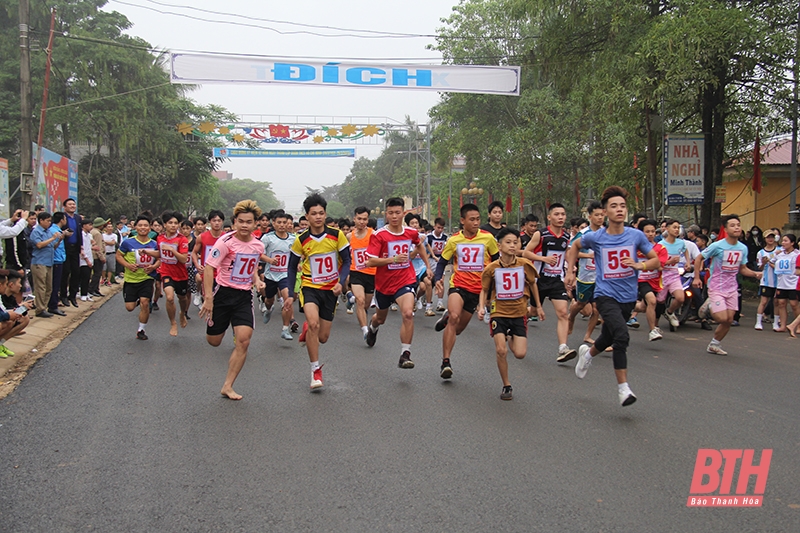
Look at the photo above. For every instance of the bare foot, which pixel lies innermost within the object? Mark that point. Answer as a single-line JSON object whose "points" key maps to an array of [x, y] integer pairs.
{"points": [[231, 394], [173, 330], [792, 332], [183, 321], [779, 330], [610, 349], [590, 342]]}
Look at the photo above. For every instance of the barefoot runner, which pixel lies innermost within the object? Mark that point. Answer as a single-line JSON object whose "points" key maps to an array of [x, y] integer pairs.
{"points": [[174, 252]]}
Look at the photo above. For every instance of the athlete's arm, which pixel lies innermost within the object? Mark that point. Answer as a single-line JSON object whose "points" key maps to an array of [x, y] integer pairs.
{"points": [[529, 252], [294, 261], [571, 257], [698, 267], [652, 262], [121, 261], [208, 290], [440, 266], [745, 271], [424, 253], [182, 258], [344, 269], [196, 254]]}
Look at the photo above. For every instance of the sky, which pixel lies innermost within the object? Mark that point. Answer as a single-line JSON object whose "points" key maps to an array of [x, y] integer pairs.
{"points": [[289, 178]]}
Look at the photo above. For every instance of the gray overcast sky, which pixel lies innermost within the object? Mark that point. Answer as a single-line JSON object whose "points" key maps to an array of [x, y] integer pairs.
{"points": [[289, 178]]}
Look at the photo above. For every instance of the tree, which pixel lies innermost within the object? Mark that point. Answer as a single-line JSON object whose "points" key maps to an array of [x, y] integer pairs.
{"points": [[235, 190]]}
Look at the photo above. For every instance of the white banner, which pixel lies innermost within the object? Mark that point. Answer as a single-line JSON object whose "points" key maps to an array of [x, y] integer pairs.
{"points": [[684, 169], [200, 68]]}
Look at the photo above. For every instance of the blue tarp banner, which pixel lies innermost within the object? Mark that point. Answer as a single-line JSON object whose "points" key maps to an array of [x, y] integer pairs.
{"points": [[250, 152]]}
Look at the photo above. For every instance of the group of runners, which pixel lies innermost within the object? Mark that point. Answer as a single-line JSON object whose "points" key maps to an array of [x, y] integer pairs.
{"points": [[607, 271]]}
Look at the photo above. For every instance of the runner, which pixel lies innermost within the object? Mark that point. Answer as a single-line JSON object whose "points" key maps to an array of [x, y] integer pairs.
{"points": [[202, 247], [277, 249], [174, 252], [232, 264], [325, 254], [728, 258], [650, 281], [362, 277], [421, 267], [546, 249], [671, 277], [615, 287], [139, 256], [769, 281], [390, 250], [495, 215], [436, 241], [584, 294], [471, 250], [512, 282], [784, 265]]}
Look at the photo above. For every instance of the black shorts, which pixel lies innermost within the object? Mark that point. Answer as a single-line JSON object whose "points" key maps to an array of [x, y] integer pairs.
{"points": [[785, 294], [365, 280], [133, 292], [766, 292], [510, 327], [644, 289], [552, 288], [324, 300], [274, 287], [385, 300], [470, 298], [232, 307], [180, 287]]}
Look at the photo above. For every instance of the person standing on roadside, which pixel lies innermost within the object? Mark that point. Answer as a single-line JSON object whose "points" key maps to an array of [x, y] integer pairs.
{"points": [[44, 243], [59, 221], [73, 244], [98, 255]]}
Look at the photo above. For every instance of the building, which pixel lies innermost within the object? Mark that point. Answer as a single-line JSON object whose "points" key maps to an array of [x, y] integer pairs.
{"points": [[222, 175], [770, 208]]}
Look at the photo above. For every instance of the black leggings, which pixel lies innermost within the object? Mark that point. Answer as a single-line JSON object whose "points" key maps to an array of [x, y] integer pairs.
{"points": [[615, 329]]}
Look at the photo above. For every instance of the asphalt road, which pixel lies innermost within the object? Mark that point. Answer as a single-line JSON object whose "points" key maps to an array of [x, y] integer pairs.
{"points": [[108, 433]]}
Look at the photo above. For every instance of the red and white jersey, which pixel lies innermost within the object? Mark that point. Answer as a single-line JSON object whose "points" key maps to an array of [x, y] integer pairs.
{"points": [[235, 261], [170, 266], [207, 241], [383, 243]]}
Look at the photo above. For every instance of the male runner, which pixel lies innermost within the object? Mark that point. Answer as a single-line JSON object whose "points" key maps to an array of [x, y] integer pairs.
{"points": [[650, 280], [202, 247], [277, 250], [436, 241], [615, 287], [529, 229], [174, 252], [471, 250], [139, 256], [390, 249], [584, 294], [728, 258], [546, 249], [325, 254], [362, 277], [421, 266], [495, 223], [670, 276], [232, 264]]}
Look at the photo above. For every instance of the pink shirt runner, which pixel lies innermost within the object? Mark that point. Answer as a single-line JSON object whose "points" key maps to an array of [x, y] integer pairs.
{"points": [[235, 261]]}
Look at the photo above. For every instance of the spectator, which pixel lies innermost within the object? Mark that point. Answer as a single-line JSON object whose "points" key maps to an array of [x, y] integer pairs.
{"points": [[754, 242], [12, 323], [86, 260], [98, 255], [111, 241], [59, 256], [17, 248], [44, 243], [123, 228], [73, 242]]}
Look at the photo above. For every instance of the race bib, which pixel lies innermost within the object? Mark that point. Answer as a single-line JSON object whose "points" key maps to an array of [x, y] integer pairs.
{"points": [[509, 283], [281, 263], [558, 268], [243, 267], [142, 259], [731, 259], [590, 266], [396, 248], [437, 247], [324, 268], [207, 252], [470, 257], [167, 254], [784, 266], [612, 262], [360, 258], [676, 265]]}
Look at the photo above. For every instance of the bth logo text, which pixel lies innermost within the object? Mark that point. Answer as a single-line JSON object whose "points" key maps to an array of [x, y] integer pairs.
{"points": [[713, 478]]}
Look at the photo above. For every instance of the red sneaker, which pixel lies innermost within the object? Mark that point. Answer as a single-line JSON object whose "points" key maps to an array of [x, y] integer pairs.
{"points": [[316, 378], [302, 337]]}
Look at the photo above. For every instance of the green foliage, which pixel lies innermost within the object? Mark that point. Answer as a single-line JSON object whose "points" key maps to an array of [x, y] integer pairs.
{"points": [[235, 190]]}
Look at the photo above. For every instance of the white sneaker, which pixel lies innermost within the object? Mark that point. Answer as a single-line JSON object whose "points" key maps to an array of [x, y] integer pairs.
{"points": [[262, 306], [316, 378], [565, 354], [419, 305], [440, 306], [716, 348], [198, 299], [703, 312], [673, 320], [759, 327], [394, 307], [626, 397], [655, 335], [584, 361]]}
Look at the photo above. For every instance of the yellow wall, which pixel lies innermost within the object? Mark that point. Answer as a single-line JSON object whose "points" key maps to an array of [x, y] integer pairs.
{"points": [[764, 217]]}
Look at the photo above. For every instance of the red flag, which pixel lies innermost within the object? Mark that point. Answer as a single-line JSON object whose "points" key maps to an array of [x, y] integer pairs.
{"points": [[722, 233], [521, 200], [757, 165], [509, 205], [461, 200], [439, 202]]}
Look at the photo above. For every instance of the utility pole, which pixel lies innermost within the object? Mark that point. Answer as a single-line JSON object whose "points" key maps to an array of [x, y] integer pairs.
{"points": [[43, 111], [26, 109]]}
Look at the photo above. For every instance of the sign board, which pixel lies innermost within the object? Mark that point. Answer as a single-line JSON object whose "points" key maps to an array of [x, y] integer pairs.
{"points": [[4, 208], [255, 152], [56, 180], [482, 79], [684, 169], [720, 196]]}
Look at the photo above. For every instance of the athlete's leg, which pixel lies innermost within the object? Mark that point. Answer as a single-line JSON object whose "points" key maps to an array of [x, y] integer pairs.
{"points": [[362, 303], [236, 362], [562, 313], [502, 351], [169, 295], [650, 312], [457, 316], [324, 330], [678, 296], [406, 305], [593, 318], [724, 319], [286, 314], [144, 310], [183, 302], [574, 309], [311, 311]]}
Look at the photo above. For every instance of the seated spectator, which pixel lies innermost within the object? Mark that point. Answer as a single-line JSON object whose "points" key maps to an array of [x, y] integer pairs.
{"points": [[12, 323]]}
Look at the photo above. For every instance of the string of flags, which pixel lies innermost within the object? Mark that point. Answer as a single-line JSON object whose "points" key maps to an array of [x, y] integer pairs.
{"points": [[280, 133]]}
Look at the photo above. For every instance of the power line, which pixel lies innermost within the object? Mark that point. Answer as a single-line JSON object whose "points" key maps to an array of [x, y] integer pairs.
{"points": [[109, 96]]}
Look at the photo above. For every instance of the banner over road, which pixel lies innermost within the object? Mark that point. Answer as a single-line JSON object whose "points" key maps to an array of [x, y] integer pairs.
{"points": [[250, 152], [482, 79]]}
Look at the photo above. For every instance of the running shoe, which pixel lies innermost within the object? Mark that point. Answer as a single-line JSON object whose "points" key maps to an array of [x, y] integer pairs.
{"points": [[759, 327], [394, 307], [704, 311], [405, 360], [626, 397], [430, 312], [655, 335], [440, 306], [294, 326], [584, 361], [198, 299], [442, 322], [302, 337], [316, 378], [154, 307], [716, 349], [5, 352], [565, 354], [351, 300], [141, 335], [262, 305], [371, 337], [705, 325], [633, 323], [267, 313], [419, 304], [446, 371], [735, 324], [506, 394], [534, 318], [673, 320], [285, 335]]}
